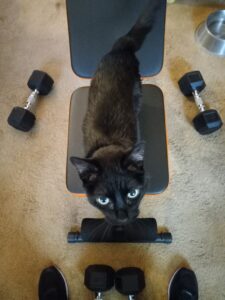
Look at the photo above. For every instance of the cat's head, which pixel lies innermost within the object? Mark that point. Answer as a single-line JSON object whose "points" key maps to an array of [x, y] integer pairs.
{"points": [[114, 182]]}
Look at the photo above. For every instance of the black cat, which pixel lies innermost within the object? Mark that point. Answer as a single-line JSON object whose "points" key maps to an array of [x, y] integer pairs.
{"points": [[113, 170]]}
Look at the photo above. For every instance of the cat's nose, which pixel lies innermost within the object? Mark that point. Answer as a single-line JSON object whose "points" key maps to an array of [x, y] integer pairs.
{"points": [[122, 215]]}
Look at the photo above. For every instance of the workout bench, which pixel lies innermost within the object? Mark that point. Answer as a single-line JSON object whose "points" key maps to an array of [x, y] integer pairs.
{"points": [[93, 28]]}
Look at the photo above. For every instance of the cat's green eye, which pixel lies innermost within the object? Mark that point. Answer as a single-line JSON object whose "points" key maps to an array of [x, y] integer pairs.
{"points": [[102, 200], [133, 193]]}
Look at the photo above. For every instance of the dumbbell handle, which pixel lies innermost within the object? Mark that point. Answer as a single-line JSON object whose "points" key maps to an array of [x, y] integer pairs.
{"points": [[31, 100], [198, 100], [99, 296]]}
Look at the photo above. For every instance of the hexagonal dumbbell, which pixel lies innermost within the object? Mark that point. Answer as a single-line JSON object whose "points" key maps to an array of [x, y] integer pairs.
{"points": [[130, 282], [99, 279], [207, 121], [22, 118]]}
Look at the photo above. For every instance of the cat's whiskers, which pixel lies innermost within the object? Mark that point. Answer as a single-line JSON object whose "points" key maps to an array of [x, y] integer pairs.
{"points": [[94, 232], [108, 227]]}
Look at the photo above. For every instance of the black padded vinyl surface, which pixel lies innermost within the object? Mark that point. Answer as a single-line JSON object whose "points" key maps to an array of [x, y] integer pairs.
{"points": [[153, 131], [94, 26]]}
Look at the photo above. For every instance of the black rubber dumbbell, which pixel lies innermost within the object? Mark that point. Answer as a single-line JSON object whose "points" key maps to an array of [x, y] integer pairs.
{"points": [[130, 281], [22, 118], [208, 120], [99, 279]]}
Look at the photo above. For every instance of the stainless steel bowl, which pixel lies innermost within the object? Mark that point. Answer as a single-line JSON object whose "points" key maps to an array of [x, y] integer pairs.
{"points": [[211, 33]]}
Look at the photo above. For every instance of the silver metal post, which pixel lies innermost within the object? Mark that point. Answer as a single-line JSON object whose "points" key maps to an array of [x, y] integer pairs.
{"points": [[198, 101], [31, 100], [131, 297], [99, 296]]}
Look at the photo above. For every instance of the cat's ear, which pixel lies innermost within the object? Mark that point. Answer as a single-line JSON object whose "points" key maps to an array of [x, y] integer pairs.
{"points": [[87, 169], [134, 160]]}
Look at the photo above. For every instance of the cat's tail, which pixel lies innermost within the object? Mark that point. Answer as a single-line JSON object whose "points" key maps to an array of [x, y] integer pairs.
{"points": [[134, 39]]}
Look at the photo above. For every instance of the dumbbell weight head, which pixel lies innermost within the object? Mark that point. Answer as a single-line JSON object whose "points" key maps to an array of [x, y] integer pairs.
{"points": [[190, 82], [129, 281], [207, 121], [21, 119], [99, 278], [40, 81]]}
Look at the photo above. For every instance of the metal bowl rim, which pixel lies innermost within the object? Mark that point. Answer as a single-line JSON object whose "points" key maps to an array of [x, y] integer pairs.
{"points": [[205, 23]]}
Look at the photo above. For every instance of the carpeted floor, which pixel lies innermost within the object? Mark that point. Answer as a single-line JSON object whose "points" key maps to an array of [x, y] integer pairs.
{"points": [[36, 210]]}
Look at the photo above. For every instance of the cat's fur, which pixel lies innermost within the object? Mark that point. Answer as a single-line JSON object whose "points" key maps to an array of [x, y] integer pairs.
{"points": [[114, 162]]}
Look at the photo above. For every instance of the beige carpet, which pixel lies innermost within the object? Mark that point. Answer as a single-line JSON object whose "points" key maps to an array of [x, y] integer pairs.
{"points": [[36, 210]]}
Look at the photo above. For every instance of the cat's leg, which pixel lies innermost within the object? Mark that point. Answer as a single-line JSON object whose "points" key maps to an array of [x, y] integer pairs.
{"points": [[137, 96], [137, 102]]}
